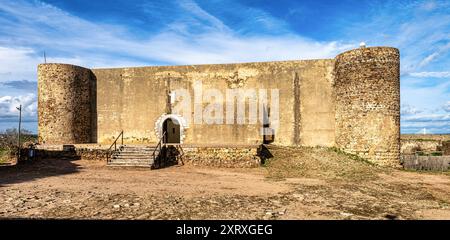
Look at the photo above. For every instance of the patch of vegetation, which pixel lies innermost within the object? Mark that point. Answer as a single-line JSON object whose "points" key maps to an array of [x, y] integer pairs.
{"points": [[4, 155], [8, 143], [320, 163], [436, 154], [421, 153], [8, 139], [351, 156], [424, 140]]}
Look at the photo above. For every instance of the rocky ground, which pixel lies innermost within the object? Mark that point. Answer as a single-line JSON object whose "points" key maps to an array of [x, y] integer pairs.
{"points": [[299, 183]]}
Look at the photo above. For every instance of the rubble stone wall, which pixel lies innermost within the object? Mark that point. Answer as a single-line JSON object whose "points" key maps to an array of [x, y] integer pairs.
{"points": [[66, 100], [222, 157], [367, 85], [410, 146]]}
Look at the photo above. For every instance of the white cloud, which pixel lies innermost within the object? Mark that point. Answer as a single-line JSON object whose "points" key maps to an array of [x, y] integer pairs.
{"points": [[433, 56], [93, 45], [420, 29], [429, 5], [407, 109], [198, 12], [427, 118], [17, 63], [430, 74], [8, 106], [428, 59], [425, 97], [228, 48], [197, 37], [446, 106], [430, 123]]}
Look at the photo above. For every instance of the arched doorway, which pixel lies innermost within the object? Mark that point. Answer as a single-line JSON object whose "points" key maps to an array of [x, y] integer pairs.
{"points": [[175, 127], [172, 129]]}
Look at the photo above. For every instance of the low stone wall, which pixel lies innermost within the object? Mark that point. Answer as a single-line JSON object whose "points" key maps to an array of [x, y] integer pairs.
{"points": [[79, 154], [433, 163], [71, 152], [212, 156], [436, 137], [410, 146], [410, 143], [222, 157]]}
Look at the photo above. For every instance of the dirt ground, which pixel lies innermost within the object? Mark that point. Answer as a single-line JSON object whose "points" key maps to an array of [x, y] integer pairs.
{"points": [[296, 184]]}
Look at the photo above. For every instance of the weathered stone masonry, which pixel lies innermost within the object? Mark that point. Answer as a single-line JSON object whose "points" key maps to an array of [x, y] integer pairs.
{"points": [[351, 102], [367, 84], [66, 112]]}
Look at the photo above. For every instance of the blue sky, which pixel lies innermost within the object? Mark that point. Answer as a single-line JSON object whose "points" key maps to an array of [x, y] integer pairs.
{"points": [[142, 33]]}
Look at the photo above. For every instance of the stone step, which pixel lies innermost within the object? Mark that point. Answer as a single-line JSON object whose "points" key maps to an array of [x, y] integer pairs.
{"points": [[137, 147], [129, 165], [131, 160], [136, 153], [140, 150], [132, 156]]}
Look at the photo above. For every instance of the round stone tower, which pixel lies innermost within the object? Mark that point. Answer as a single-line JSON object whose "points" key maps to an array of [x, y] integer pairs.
{"points": [[66, 104], [367, 83]]}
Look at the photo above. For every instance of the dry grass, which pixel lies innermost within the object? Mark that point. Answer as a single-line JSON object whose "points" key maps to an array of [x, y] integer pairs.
{"points": [[6, 157], [322, 163]]}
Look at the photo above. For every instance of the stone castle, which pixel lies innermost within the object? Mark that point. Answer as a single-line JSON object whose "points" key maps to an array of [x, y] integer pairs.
{"points": [[351, 102]]}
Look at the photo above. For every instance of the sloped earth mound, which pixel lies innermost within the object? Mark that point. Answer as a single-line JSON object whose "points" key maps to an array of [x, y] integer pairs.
{"points": [[297, 183], [320, 163], [354, 188]]}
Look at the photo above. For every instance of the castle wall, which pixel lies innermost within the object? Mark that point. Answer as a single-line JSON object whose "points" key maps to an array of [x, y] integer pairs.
{"points": [[129, 100], [66, 100], [367, 84], [133, 99], [317, 105], [351, 102]]}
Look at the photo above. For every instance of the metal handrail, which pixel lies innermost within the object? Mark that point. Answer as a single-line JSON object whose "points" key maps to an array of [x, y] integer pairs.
{"points": [[159, 145], [109, 151], [181, 153]]}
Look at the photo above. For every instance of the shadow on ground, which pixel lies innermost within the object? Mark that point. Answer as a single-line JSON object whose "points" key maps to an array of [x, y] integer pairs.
{"points": [[37, 169]]}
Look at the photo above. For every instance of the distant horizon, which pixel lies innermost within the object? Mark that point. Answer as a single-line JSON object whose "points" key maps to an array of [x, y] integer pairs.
{"points": [[32, 126]]}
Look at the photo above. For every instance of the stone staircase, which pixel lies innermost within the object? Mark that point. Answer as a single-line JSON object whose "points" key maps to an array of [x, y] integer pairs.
{"points": [[133, 156]]}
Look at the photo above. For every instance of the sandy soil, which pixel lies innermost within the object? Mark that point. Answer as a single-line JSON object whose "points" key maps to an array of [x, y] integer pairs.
{"points": [[90, 190]]}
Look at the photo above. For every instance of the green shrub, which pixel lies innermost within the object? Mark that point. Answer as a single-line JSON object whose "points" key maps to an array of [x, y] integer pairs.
{"points": [[436, 154], [5, 155], [421, 153]]}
